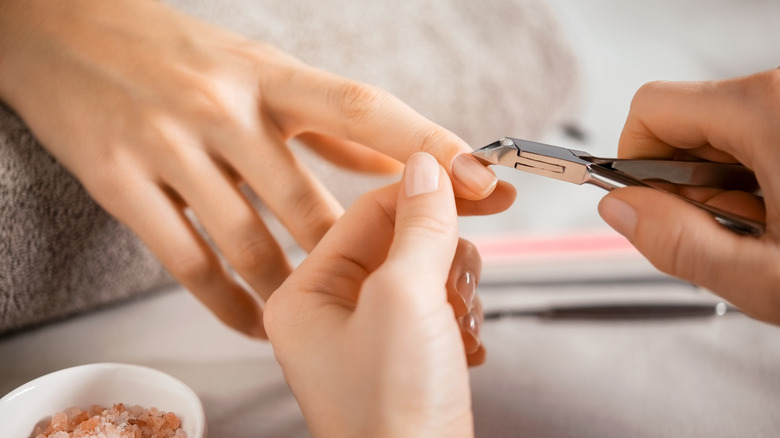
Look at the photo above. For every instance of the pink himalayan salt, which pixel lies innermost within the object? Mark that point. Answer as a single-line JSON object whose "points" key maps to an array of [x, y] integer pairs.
{"points": [[116, 422]]}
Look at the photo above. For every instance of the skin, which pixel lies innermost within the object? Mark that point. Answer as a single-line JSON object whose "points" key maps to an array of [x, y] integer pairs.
{"points": [[166, 120], [733, 120], [366, 320]]}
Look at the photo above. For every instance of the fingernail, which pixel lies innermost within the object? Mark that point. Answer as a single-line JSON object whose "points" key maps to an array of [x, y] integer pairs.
{"points": [[467, 287], [469, 323], [473, 175], [421, 175], [619, 215]]}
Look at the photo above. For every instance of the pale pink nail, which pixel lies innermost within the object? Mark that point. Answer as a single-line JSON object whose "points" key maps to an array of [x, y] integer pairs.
{"points": [[467, 288], [421, 175], [473, 175]]}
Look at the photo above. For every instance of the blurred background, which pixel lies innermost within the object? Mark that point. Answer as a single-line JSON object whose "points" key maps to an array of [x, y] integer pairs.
{"points": [[620, 46]]}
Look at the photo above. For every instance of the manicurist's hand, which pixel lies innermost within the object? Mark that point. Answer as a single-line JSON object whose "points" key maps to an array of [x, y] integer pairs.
{"points": [[736, 120], [363, 328], [157, 113]]}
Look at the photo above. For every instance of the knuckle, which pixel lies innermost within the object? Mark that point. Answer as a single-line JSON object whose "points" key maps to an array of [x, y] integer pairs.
{"points": [[256, 255], [433, 138], [312, 213], [645, 92], [207, 105], [160, 131], [174, 145], [110, 182], [358, 102], [211, 102], [194, 268], [430, 226]]}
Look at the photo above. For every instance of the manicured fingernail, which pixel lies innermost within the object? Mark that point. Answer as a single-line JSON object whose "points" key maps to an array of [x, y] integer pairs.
{"points": [[619, 215], [421, 175], [469, 323], [473, 175], [467, 288]]}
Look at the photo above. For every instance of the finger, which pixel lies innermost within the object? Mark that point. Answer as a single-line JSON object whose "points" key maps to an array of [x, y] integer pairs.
{"points": [[463, 278], [697, 116], [321, 102], [350, 155], [172, 238], [477, 358], [425, 240], [737, 202], [499, 200], [230, 221], [684, 241], [335, 271], [652, 128], [294, 195], [470, 326], [461, 293]]}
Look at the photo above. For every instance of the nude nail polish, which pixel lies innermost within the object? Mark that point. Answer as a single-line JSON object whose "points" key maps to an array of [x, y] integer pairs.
{"points": [[421, 175], [467, 289], [473, 175]]}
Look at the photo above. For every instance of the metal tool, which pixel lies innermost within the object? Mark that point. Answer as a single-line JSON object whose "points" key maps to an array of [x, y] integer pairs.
{"points": [[609, 173], [617, 311]]}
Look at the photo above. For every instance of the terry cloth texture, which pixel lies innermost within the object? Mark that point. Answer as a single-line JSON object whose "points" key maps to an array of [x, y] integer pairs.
{"points": [[482, 69]]}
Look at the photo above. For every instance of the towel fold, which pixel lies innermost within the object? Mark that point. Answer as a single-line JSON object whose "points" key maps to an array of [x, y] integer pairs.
{"points": [[482, 69]]}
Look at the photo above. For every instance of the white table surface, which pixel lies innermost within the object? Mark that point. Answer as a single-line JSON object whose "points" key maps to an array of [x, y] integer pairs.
{"points": [[713, 377]]}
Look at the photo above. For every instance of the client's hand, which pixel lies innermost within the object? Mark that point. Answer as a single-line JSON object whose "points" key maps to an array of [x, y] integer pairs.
{"points": [[731, 120], [156, 113], [363, 330]]}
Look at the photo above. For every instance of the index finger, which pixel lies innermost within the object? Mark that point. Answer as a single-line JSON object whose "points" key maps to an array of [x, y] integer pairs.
{"points": [[715, 120], [666, 117], [314, 100], [728, 120]]}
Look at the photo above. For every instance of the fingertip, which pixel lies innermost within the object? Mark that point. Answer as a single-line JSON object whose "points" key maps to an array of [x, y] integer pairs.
{"points": [[477, 358], [502, 197], [619, 214]]}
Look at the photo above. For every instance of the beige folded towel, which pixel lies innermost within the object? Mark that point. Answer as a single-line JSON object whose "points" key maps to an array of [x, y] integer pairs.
{"points": [[480, 68]]}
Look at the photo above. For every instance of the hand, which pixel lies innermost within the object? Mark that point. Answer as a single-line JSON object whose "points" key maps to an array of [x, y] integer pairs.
{"points": [[730, 121], [158, 114], [363, 330]]}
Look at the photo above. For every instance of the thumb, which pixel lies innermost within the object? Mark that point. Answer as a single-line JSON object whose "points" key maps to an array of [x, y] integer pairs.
{"points": [[686, 242], [426, 234]]}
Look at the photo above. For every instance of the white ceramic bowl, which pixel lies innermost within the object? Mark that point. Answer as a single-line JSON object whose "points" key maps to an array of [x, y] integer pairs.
{"points": [[103, 384]]}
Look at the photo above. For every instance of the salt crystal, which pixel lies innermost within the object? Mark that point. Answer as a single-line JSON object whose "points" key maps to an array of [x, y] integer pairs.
{"points": [[119, 421]]}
